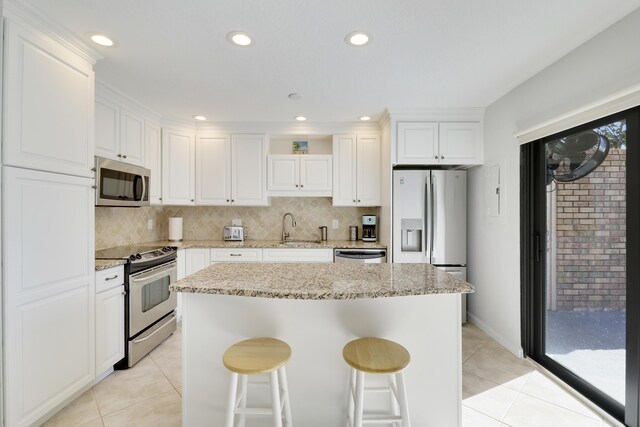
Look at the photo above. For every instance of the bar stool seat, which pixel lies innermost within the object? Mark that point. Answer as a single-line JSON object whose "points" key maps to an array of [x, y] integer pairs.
{"points": [[382, 357], [258, 356]]}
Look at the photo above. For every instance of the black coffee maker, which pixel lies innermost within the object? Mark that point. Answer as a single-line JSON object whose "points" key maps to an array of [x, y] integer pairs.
{"points": [[369, 228]]}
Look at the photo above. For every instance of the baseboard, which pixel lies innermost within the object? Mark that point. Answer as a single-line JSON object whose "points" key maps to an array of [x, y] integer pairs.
{"points": [[515, 349]]}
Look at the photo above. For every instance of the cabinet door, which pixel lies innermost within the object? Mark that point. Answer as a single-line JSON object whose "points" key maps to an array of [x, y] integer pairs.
{"points": [[132, 140], [417, 143], [368, 170], [49, 293], [109, 328], [197, 259], [48, 104], [344, 170], [316, 173], [460, 144], [283, 173], [154, 162], [213, 170], [107, 128], [248, 170], [298, 255], [178, 164]]}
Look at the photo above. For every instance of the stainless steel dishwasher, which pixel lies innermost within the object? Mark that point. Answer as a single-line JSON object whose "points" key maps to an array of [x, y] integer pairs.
{"points": [[368, 256]]}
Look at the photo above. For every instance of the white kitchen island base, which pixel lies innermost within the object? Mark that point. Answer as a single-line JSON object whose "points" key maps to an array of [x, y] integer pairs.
{"points": [[427, 325]]}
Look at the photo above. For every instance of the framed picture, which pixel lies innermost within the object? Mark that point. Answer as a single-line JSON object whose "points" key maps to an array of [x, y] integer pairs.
{"points": [[300, 147]]}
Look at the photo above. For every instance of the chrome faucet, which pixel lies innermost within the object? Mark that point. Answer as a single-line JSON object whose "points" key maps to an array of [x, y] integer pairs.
{"points": [[285, 234]]}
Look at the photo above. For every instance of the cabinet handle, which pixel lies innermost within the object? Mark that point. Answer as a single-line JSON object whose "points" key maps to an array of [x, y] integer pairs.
{"points": [[296, 185], [359, 200], [111, 278], [301, 185], [124, 157], [93, 169], [124, 293], [354, 200], [192, 200], [159, 198], [119, 155], [436, 157], [94, 187], [235, 254], [227, 200], [232, 200]]}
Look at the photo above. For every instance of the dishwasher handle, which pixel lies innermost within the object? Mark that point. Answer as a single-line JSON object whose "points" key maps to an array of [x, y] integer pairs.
{"points": [[361, 254]]}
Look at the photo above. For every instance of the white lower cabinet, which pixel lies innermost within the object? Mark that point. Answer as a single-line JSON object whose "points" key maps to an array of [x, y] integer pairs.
{"points": [[109, 328], [196, 259], [49, 291], [236, 255], [297, 255]]}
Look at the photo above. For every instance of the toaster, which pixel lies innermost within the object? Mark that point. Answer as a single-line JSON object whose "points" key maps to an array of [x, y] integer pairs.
{"points": [[233, 233]]}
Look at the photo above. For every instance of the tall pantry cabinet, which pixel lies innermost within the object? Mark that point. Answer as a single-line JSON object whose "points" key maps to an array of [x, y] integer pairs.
{"points": [[47, 217]]}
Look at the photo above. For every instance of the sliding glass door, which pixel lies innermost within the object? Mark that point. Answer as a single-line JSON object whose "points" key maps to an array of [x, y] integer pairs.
{"points": [[577, 254]]}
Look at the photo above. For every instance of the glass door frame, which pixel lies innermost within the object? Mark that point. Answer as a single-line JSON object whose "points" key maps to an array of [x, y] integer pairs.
{"points": [[533, 228]]}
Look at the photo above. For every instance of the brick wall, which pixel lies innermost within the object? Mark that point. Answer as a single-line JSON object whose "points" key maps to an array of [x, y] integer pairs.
{"points": [[590, 237]]}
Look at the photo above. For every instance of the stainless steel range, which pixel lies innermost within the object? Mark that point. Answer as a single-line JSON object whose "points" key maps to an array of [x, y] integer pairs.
{"points": [[149, 305]]}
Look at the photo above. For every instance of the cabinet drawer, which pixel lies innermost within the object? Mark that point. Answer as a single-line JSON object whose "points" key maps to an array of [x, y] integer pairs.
{"points": [[109, 278], [297, 255], [236, 255]]}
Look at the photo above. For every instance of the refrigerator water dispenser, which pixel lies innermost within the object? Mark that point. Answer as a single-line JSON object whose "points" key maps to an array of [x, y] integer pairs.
{"points": [[411, 234]]}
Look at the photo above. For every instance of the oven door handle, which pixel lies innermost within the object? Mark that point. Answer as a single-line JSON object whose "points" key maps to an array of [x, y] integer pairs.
{"points": [[155, 275]]}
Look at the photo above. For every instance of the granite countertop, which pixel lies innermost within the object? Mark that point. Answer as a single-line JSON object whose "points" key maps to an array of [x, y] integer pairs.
{"points": [[321, 281], [103, 264], [329, 244]]}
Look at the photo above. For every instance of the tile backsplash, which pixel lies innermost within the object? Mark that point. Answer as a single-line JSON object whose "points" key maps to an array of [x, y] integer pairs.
{"points": [[265, 223], [124, 226], [127, 226]]}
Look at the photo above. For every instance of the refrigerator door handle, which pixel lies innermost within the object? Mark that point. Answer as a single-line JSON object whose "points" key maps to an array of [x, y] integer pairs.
{"points": [[433, 216], [426, 236]]}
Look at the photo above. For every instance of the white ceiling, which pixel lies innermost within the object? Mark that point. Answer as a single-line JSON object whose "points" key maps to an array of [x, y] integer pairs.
{"points": [[174, 57]]}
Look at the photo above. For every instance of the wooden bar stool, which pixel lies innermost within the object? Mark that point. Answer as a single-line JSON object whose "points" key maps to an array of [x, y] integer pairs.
{"points": [[258, 356], [376, 356]]}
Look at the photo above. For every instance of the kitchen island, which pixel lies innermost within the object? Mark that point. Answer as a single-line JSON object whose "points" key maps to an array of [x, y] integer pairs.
{"points": [[317, 309]]}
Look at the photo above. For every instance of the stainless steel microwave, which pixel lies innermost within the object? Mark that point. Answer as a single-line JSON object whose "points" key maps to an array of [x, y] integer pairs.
{"points": [[121, 184]]}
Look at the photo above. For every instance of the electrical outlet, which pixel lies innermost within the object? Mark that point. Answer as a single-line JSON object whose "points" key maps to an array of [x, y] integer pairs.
{"points": [[236, 222], [150, 224], [335, 224]]}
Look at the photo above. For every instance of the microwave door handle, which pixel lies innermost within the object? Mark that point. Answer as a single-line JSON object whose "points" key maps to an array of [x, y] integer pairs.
{"points": [[144, 187]]}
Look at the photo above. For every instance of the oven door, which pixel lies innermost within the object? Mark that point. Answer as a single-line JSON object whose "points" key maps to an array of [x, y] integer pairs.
{"points": [[121, 184], [149, 296]]}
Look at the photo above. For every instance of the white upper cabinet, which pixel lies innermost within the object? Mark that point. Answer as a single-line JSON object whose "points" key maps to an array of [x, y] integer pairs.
{"points": [[154, 161], [213, 165], [460, 144], [178, 167], [248, 170], [356, 170], [48, 112], [120, 128], [417, 143], [231, 170], [431, 143], [300, 175]]}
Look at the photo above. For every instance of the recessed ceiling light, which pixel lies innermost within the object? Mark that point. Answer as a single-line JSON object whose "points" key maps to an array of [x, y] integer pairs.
{"points": [[201, 118], [239, 38], [365, 118], [357, 38], [102, 40], [295, 96], [300, 118]]}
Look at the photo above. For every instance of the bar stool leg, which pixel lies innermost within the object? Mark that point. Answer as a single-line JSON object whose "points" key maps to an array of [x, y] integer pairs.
{"points": [[393, 389], [359, 399], [243, 400], [275, 400], [282, 378], [351, 390], [231, 402], [402, 400]]}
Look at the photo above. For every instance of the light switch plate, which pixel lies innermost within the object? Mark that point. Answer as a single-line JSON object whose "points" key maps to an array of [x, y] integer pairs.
{"points": [[150, 224], [236, 222], [335, 224]]}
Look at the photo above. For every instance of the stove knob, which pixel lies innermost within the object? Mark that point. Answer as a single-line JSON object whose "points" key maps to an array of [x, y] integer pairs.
{"points": [[132, 257], [138, 256]]}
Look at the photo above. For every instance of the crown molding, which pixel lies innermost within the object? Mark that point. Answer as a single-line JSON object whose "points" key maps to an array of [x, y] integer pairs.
{"points": [[436, 114], [27, 13], [288, 128], [178, 123], [107, 91]]}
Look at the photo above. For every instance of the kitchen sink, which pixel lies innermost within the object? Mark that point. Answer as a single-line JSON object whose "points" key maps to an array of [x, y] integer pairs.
{"points": [[299, 242]]}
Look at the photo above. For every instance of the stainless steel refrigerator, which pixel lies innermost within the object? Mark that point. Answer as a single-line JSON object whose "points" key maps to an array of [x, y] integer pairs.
{"points": [[430, 220]]}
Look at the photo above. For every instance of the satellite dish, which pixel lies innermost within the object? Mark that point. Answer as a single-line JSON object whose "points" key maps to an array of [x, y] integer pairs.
{"points": [[576, 156]]}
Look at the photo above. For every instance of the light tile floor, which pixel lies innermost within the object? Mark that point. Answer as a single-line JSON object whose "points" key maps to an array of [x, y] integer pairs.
{"points": [[499, 390]]}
